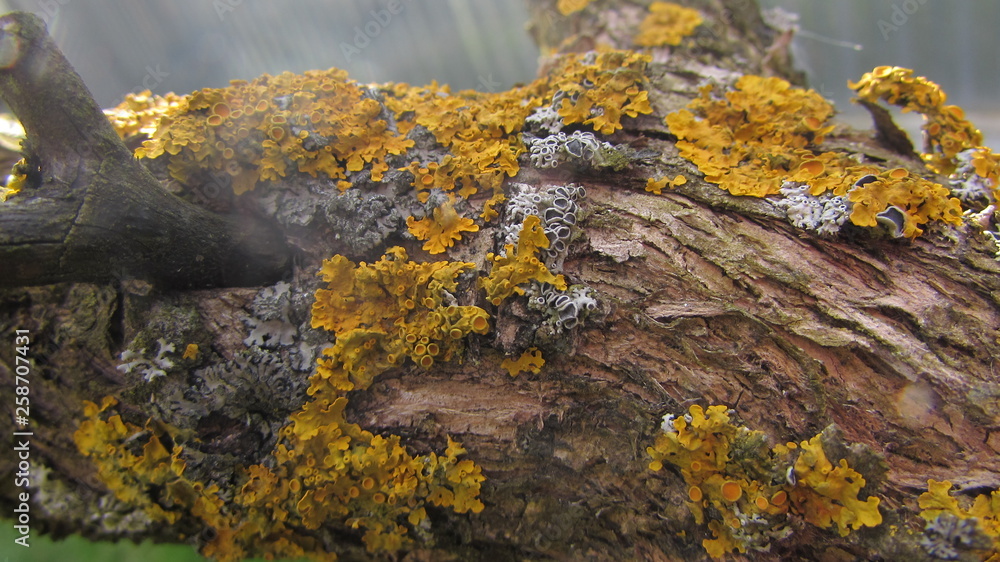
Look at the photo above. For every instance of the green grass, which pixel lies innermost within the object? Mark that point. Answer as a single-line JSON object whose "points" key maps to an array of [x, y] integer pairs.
{"points": [[78, 549]]}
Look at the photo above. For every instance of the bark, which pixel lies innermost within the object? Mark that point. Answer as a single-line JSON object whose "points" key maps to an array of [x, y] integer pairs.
{"points": [[703, 298]]}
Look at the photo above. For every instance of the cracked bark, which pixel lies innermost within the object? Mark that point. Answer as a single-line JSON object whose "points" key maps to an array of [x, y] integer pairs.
{"points": [[705, 298]]}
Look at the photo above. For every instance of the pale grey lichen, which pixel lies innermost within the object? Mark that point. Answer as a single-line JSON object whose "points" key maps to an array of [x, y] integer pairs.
{"points": [[271, 325], [563, 310], [136, 361], [105, 514], [823, 214], [362, 221], [948, 537], [545, 119], [966, 184]]}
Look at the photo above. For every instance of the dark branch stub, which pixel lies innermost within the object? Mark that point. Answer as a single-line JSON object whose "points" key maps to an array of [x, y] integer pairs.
{"points": [[96, 214]]}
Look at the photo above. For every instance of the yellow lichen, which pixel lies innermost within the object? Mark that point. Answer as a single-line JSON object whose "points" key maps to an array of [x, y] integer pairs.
{"points": [[601, 92], [519, 265], [190, 352], [984, 511], [442, 230], [387, 311], [946, 131], [530, 360], [765, 132], [567, 7], [703, 445], [138, 114], [254, 131], [656, 186], [16, 182], [666, 24]]}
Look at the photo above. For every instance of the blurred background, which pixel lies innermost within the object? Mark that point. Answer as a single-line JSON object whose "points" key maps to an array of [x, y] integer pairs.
{"points": [[184, 45]]}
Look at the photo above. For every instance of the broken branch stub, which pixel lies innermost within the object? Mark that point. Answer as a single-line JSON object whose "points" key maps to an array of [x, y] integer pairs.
{"points": [[91, 211]]}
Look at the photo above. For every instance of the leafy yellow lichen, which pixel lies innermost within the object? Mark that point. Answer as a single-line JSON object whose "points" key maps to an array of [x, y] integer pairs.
{"points": [[946, 131], [727, 467], [530, 360], [984, 512], [442, 230], [387, 311], [567, 7], [601, 92], [519, 265], [190, 352], [315, 122], [16, 182], [666, 24], [765, 132], [138, 114], [656, 186]]}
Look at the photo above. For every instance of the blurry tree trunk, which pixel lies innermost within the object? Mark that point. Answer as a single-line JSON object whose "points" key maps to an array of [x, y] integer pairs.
{"points": [[705, 298]]}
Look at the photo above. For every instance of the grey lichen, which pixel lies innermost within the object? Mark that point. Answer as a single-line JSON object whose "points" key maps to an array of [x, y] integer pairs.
{"points": [[948, 537], [823, 214], [363, 221]]}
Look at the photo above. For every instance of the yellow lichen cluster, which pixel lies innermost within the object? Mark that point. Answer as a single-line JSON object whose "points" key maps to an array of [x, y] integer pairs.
{"points": [[984, 512], [387, 311], [16, 181], [946, 132], [666, 24], [656, 186], [442, 229], [729, 471], [316, 122], [138, 114], [130, 472], [765, 132], [321, 122], [520, 264], [530, 360], [329, 471], [567, 7], [599, 89]]}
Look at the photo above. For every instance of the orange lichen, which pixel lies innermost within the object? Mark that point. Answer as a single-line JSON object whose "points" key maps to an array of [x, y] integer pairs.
{"points": [[387, 311], [16, 182], [113, 445], [139, 114], [946, 131], [599, 89], [666, 24], [190, 352], [984, 513], [348, 134], [567, 7], [519, 265], [713, 456], [530, 360], [766, 132], [656, 186], [752, 139], [442, 230], [920, 201]]}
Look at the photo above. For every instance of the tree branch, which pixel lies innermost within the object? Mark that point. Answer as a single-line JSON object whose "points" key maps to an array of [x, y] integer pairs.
{"points": [[92, 213]]}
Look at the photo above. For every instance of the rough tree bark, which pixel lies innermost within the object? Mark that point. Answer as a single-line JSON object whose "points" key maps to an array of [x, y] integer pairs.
{"points": [[704, 298]]}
